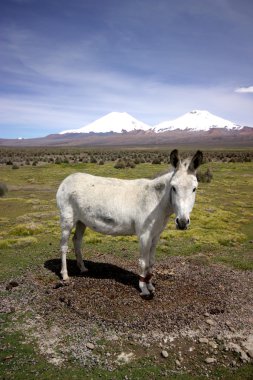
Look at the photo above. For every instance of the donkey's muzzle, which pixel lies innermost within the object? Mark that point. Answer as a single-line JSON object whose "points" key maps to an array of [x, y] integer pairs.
{"points": [[182, 224]]}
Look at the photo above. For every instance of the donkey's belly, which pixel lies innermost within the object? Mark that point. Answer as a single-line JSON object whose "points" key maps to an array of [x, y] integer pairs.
{"points": [[110, 226]]}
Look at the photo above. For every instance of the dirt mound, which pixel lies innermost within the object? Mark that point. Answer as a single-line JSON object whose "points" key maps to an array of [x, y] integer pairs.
{"points": [[185, 293], [205, 305]]}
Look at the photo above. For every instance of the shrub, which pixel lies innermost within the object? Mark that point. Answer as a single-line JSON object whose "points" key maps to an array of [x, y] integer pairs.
{"points": [[120, 164], [15, 166], [205, 177], [156, 161], [3, 189], [58, 160], [101, 162], [93, 160], [130, 164]]}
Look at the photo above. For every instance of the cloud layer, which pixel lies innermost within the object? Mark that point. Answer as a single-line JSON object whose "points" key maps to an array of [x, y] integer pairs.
{"points": [[245, 90], [63, 66]]}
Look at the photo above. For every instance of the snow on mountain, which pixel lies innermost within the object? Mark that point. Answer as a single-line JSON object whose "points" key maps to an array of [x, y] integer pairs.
{"points": [[112, 122], [196, 121]]}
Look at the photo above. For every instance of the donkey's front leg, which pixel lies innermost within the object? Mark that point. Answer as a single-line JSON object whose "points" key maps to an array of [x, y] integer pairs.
{"points": [[145, 275], [155, 240]]}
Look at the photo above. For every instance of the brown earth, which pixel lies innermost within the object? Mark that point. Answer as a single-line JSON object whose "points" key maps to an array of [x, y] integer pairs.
{"points": [[199, 312]]}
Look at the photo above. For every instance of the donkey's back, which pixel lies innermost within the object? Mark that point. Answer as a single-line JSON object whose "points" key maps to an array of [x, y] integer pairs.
{"points": [[107, 205]]}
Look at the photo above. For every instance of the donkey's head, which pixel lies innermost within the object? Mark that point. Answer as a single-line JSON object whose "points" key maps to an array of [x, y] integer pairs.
{"points": [[183, 187]]}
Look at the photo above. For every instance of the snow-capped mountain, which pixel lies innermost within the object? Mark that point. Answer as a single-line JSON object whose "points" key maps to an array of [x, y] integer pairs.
{"points": [[112, 122], [196, 120]]}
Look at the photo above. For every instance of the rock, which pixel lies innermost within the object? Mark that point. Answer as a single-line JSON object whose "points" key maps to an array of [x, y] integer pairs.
{"points": [[210, 322], [178, 363], [165, 354], [248, 345], [210, 360], [203, 340], [236, 348], [90, 346], [250, 353], [125, 358], [213, 344]]}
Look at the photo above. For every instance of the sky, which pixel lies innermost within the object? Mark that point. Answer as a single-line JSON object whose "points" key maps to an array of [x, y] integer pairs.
{"points": [[64, 64]]}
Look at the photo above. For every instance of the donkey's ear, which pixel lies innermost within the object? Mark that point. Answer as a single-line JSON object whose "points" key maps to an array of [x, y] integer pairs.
{"points": [[174, 158], [197, 160]]}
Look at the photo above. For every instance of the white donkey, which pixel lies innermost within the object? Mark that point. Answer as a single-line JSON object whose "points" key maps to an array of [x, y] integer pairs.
{"points": [[127, 207]]}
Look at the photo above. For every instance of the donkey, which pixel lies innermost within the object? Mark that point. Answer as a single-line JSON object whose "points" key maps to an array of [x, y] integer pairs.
{"points": [[139, 207]]}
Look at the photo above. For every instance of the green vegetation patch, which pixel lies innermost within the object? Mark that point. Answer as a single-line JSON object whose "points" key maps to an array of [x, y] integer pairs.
{"points": [[21, 242], [28, 229]]}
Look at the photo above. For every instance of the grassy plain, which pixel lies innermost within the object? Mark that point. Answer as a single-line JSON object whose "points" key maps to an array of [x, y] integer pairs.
{"points": [[221, 232]]}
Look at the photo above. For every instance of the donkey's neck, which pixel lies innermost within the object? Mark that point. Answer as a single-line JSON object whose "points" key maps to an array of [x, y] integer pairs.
{"points": [[163, 186]]}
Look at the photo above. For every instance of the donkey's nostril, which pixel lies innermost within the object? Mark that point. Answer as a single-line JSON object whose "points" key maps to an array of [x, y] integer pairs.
{"points": [[177, 221], [188, 221]]}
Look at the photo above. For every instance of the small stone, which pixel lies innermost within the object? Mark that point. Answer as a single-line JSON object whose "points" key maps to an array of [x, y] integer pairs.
{"points": [[90, 346], [178, 363], [207, 315], [213, 345], [250, 353], [203, 340], [210, 360], [165, 354], [210, 322]]}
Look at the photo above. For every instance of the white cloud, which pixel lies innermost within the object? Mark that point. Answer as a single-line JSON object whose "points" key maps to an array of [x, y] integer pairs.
{"points": [[245, 90]]}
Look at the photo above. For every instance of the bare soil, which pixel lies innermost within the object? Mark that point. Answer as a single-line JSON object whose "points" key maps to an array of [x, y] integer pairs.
{"points": [[199, 312]]}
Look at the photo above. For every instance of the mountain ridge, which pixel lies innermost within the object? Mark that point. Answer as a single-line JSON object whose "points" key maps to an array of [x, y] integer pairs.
{"points": [[196, 120], [133, 132], [118, 122]]}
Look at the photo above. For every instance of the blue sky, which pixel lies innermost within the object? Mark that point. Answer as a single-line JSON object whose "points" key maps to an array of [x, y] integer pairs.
{"points": [[64, 63]]}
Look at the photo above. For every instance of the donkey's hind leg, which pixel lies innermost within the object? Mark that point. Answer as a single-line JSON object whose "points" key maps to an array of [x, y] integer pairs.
{"points": [[77, 240], [66, 230]]}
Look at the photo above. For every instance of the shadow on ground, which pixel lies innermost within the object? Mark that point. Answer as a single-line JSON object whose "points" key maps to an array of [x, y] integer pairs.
{"points": [[96, 270]]}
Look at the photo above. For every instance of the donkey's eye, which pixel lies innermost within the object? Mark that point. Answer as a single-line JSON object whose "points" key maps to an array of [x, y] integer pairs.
{"points": [[174, 189], [194, 189]]}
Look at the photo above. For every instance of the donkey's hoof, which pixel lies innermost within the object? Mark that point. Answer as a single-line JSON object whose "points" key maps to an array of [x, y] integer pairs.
{"points": [[65, 278], [145, 292], [149, 296]]}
